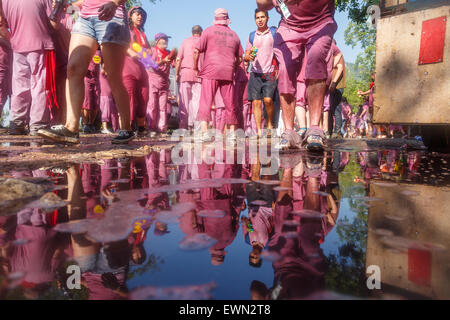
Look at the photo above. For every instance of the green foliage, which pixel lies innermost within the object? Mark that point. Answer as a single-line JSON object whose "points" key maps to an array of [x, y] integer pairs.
{"points": [[346, 271], [153, 263]]}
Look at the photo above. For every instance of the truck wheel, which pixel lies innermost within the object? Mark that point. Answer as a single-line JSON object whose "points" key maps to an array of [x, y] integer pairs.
{"points": [[436, 137]]}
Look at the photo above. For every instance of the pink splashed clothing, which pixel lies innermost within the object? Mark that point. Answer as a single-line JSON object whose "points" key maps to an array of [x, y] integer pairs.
{"points": [[91, 8], [264, 43], [186, 55], [28, 24], [308, 14], [221, 47]]}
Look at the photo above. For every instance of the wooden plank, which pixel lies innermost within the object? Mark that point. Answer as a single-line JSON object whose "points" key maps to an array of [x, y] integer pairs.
{"points": [[423, 217], [407, 93]]}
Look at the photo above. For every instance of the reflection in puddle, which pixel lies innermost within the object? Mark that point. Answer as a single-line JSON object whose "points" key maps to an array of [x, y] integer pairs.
{"points": [[145, 228]]}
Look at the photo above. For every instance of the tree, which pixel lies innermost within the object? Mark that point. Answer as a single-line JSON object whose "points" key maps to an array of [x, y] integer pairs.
{"points": [[131, 3]]}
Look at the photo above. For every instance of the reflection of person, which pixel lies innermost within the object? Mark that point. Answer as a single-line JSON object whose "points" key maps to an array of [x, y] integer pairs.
{"points": [[103, 266]]}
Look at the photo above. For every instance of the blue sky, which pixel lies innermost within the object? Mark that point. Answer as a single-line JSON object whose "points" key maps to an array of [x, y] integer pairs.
{"points": [[176, 18]]}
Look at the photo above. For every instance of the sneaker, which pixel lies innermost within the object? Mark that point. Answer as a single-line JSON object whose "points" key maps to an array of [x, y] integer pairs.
{"points": [[60, 134], [327, 134], [106, 131], [289, 140], [336, 135], [17, 131], [124, 137], [141, 132], [314, 139], [89, 129]]}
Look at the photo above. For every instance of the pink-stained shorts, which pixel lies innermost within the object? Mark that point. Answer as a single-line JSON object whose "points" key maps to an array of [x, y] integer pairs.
{"points": [[209, 90], [288, 48]]}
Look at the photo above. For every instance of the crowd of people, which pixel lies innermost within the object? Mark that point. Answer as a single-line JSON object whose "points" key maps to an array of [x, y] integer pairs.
{"points": [[91, 60]]}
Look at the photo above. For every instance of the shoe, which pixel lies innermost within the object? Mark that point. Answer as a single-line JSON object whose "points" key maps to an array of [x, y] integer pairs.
{"points": [[88, 129], [289, 140], [336, 135], [17, 131], [141, 132], [60, 134], [314, 139], [106, 131], [327, 134], [124, 137], [33, 133], [152, 134]]}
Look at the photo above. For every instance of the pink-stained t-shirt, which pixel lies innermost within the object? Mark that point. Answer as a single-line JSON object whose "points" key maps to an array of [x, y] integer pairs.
{"points": [[262, 225], [29, 25], [186, 53], [345, 110], [264, 57], [90, 9], [241, 74], [159, 78], [221, 47], [309, 14]]}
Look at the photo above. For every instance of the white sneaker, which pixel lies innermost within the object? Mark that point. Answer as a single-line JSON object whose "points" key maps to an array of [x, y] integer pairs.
{"points": [[106, 131]]}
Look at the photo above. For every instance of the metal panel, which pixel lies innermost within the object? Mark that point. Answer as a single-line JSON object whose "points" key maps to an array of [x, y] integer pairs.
{"points": [[405, 92], [432, 41]]}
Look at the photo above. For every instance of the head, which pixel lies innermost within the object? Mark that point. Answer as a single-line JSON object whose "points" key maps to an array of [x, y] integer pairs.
{"points": [[221, 17], [261, 18], [138, 254], [162, 41], [197, 30], [217, 256], [137, 18], [258, 291], [160, 228], [344, 100], [254, 258]]}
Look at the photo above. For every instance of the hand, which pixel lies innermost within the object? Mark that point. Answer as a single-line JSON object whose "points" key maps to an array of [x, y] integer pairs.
{"points": [[333, 87], [249, 57], [107, 11], [196, 73]]}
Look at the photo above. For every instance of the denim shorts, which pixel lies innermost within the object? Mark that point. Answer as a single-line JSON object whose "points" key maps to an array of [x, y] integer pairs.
{"points": [[113, 31], [259, 87]]}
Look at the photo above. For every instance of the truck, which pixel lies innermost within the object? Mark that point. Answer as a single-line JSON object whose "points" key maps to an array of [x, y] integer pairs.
{"points": [[412, 72]]}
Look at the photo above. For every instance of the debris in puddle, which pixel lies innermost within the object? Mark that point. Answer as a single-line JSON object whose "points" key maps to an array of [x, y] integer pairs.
{"points": [[308, 214], [271, 256], [211, 213], [195, 292], [199, 241], [48, 202]]}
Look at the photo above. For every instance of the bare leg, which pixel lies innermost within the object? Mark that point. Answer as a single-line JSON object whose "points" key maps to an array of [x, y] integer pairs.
{"points": [[268, 102], [81, 51], [300, 113], [288, 107], [114, 57], [315, 91], [325, 121], [257, 111]]}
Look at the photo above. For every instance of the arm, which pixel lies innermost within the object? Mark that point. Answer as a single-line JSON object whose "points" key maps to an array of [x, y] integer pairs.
{"points": [[108, 10], [178, 68], [340, 64], [265, 5], [196, 58]]}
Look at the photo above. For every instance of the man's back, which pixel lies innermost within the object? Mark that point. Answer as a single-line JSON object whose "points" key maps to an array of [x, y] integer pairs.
{"points": [[221, 46], [29, 25]]}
